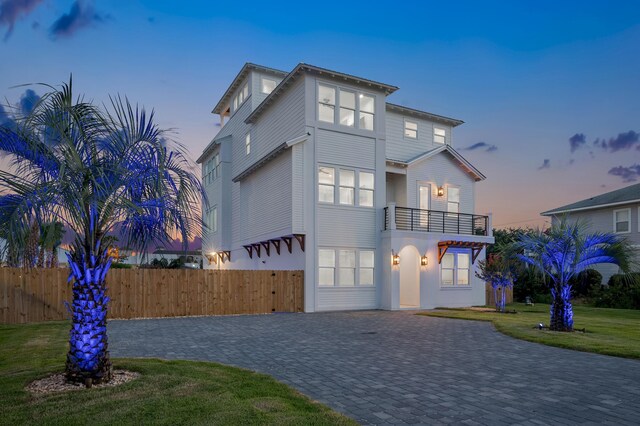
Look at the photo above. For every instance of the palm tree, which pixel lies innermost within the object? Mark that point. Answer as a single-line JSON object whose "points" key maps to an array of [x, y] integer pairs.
{"points": [[565, 250], [96, 170]]}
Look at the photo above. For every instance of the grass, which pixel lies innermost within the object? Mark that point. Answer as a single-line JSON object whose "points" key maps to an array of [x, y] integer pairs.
{"points": [[169, 392], [608, 331]]}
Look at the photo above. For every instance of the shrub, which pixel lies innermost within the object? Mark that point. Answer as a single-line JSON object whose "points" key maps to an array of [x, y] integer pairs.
{"points": [[529, 282], [587, 281], [623, 292], [118, 265]]}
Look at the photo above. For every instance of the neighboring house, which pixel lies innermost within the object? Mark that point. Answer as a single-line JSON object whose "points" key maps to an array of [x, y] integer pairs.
{"points": [[615, 211], [314, 170]]}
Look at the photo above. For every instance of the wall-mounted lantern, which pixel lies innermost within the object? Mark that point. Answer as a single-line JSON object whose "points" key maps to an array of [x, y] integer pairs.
{"points": [[440, 191], [212, 257], [395, 258], [424, 260]]}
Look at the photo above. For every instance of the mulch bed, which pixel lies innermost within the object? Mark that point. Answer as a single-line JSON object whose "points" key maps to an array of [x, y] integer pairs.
{"points": [[58, 383]]}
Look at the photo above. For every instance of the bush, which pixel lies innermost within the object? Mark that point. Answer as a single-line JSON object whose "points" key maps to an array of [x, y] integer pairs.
{"points": [[118, 265], [623, 292], [528, 282], [585, 283]]}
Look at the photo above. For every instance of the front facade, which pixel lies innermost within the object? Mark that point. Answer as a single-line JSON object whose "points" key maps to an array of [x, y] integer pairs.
{"points": [[314, 170], [615, 212]]}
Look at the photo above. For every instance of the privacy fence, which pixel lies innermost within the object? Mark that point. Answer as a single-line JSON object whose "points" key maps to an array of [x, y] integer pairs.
{"points": [[491, 301], [37, 295]]}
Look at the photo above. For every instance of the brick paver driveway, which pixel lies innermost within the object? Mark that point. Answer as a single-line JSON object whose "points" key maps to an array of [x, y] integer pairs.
{"points": [[395, 367]]}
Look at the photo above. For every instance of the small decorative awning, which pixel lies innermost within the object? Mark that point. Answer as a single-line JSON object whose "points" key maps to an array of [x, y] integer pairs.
{"points": [[476, 248], [219, 256], [265, 246]]}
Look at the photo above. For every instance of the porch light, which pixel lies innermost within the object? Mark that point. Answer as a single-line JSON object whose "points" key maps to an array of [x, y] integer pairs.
{"points": [[395, 258], [212, 256], [440, 191], [424, 260]]}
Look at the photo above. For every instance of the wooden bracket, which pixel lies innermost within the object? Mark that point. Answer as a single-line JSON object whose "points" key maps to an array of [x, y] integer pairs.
{"points": [[256, 247], [276, 245], [441, 251], [475, 252], [300, 238], [249, 249], [267, 247], [287, 241]]}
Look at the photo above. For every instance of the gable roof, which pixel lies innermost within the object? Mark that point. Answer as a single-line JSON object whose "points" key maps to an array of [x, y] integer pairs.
{"points": [[627, 195], [455, 155], [302, 67], [242, 74], [453, 122]]}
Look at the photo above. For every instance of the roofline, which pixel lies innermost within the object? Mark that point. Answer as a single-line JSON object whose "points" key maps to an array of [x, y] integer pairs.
{"points": [[387, 88], [424, 114], [239, 77], [471, 168], [209, 148], [597, 206]]}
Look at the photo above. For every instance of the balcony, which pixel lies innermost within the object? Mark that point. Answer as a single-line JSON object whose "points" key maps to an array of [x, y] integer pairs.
{"points": [[408, 219]]}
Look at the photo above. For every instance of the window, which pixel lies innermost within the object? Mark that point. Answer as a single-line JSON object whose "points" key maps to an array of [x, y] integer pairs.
{"points": [[347, 108], [410, 129], [439, 135], [365, 196], [326, 184], [216, 166], [345, 267], [326, 103], [455, 269], [453, 199], [267, 85], [211, 169], [326, 267], [347, 271], [241, 96], [347, 186], [622, 221], [212, 219], [367, 111], [366, 267], [247, 144]]}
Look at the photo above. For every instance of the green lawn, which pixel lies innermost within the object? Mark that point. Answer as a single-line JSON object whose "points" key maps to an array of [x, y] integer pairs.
{"points": [[609, 331], [169, 392]]}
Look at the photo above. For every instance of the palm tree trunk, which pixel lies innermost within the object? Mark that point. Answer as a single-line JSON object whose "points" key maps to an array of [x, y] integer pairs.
{"points": [[561, 309], [88, 358], [40, 263]]}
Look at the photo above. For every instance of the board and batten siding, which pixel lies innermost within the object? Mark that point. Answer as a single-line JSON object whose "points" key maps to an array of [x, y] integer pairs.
{"points": [[265, 202], [344, 149], [404, 149], [440, 170]]}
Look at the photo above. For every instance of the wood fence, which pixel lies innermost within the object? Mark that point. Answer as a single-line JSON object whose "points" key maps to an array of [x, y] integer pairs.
{"points": [[37, 295], [491, 301]]}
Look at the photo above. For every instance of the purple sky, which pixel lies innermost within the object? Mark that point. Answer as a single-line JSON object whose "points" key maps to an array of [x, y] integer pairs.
{"points": [[549, 91]]}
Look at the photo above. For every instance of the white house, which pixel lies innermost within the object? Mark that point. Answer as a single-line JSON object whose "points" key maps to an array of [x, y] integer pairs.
{"points": [[616, 211], [314, 170]]}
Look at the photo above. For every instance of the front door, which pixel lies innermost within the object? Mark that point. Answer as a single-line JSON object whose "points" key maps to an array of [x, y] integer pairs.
{"points": [[409, 277]]}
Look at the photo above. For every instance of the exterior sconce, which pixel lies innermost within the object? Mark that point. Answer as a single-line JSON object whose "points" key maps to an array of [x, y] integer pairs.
{"points": [[424, 260], [395, 258], [211, 257], [440, 191]]}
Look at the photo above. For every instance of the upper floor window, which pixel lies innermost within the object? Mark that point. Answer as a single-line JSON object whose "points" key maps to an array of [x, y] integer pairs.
{"points": [[212, 219], [212, 169], [326, 184], [410, 129], [326, 103], [347, 186], [367, 111], [455, 269], [347, 108], [349, 105], [622, 220], [241, 96], [439, 135], [267, 85], [365, 197], [453, 199], [247, 144]]}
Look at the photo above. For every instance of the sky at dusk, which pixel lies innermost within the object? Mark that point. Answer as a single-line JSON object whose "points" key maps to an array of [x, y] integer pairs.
{"points": [[549, 91]]}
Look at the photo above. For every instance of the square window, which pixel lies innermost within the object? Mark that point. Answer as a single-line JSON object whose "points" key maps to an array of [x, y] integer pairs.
{"points": [[410, 129], [347, 117], [347, 100], [267, 85], [366, 276], [326, 95], [447, 261], [326, 175], [622, 220], [367, 103], [366, 121], [366, 258], [326, 113], [439, 135]]}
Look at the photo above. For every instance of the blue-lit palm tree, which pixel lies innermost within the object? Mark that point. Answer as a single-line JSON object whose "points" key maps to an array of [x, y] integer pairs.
{"points": [[565, 250], [98, 171]]}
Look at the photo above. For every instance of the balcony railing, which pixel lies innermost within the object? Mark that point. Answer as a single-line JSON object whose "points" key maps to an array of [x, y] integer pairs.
{"points": [[407, 219]]}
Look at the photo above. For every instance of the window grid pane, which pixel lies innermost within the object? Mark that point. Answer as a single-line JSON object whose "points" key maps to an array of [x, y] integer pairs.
{"points": [[411, 129], [268, 85]]}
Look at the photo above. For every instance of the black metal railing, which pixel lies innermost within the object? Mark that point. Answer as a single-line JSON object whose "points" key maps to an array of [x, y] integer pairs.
{"points": [[408, 219]]}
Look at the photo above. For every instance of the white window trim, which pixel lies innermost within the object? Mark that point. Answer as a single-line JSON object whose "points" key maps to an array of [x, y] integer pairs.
{"points": [[434, 135], [262, 79], [404, 130], [337, 106], [455, 284], [459, 198], [337, 185], [336, 268], [614, 221]]}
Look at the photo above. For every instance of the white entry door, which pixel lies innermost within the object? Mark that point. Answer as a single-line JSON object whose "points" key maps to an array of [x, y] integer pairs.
{"points": [[424, 203]]}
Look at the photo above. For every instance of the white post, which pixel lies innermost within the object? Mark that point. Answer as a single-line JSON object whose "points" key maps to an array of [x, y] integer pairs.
{"points": [[391, 212], [490, 225]]}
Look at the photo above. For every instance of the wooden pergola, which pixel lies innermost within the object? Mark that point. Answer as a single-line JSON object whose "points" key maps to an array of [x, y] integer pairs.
{"points": [[476, 248]]}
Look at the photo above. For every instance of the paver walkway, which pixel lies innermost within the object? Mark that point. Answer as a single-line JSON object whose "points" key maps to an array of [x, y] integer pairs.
{"points": [[394, 367]]}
